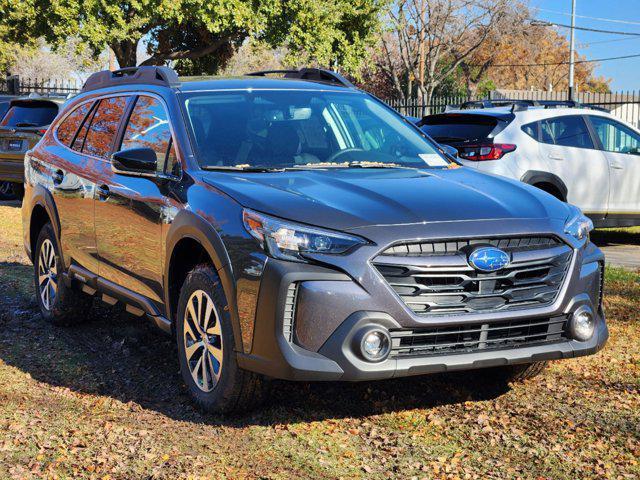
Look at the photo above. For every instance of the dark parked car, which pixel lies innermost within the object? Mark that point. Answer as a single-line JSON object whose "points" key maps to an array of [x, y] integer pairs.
{"points": [[298, 228], [6, 188], [21, 127]]}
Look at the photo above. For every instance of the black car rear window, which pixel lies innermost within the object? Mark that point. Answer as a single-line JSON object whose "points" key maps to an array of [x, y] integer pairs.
{"points": [[30, 114], [456, 127]]}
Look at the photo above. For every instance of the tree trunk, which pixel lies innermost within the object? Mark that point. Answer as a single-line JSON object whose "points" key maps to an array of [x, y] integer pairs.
{"points": [[125, 52]]}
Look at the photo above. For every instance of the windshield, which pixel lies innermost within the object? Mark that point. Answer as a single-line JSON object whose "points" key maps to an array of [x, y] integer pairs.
{"points": [[30, 114], [302, 129]]}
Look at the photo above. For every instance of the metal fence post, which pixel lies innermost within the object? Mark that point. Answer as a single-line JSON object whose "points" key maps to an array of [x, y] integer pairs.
{"points": [[13, 85]]}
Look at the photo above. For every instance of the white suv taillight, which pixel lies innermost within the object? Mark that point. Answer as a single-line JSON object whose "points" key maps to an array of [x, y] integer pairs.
{"points": [[489, 151]]}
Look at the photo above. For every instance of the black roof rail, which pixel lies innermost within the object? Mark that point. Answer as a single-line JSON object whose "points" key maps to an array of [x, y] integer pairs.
{"points": [[149, 75], [515, 104], [312, 74]]}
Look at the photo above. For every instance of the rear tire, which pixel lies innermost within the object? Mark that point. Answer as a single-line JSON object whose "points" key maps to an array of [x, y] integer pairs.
{"points": [[206, 347], [59, 304]]}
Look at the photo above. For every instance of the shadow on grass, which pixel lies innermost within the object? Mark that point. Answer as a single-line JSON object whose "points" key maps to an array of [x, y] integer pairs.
{"points": [[123, 357]]}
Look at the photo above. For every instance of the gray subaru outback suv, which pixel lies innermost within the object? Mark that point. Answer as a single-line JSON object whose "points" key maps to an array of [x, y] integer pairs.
{"points": [[298, 228]]}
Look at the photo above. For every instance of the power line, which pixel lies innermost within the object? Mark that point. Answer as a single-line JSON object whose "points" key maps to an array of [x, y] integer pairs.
{"points": [[545, 23], [588, 44], [563, 63], [626, 22]]}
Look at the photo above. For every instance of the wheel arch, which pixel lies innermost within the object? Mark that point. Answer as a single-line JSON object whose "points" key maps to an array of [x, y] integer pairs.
{"points": [[192, 240], [42, 210], [537, 178]]}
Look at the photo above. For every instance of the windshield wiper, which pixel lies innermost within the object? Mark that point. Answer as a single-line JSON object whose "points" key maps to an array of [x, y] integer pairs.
{"points": [[244, 168], [322, 165]]}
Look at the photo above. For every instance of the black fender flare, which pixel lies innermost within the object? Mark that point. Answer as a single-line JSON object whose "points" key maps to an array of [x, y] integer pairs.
{"points": [[533, 177], [41, 197], [187, 224]]}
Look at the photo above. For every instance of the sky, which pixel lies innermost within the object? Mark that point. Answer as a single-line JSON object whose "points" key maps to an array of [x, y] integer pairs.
{"points": [[626, 13]]}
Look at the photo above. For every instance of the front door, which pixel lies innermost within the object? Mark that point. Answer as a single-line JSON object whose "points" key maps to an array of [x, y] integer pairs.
{"points": [[567, 147], [621, 146], [130, 208]]}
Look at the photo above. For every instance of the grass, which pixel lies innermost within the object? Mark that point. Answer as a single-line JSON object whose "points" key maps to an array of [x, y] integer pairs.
{"points": [[104, 400]]}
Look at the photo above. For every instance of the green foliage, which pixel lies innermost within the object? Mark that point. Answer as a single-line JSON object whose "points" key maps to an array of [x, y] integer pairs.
{"points": [[201, 34], [485, 86]]}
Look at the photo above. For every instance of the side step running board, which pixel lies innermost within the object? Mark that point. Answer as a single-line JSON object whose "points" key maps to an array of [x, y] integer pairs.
{"points": [[113, 293]]}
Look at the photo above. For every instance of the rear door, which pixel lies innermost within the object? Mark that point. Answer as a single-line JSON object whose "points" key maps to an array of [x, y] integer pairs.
{"points": [[566, 144], [621, 147], [71, 178], [129, 208]]}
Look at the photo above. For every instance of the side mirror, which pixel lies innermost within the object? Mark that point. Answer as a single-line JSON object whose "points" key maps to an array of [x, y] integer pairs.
{"points": [[135, 160], [449, 150]]}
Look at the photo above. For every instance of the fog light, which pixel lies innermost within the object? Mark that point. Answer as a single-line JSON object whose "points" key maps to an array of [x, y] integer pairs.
{"points": [[375, 345], [582, 324]]}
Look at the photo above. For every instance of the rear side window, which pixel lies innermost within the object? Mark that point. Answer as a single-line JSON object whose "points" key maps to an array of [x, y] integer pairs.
{"points": [[70, 125], [148, 127], [531, 129], [568, 131], [459, 127], [30, 114], [104, 126]]}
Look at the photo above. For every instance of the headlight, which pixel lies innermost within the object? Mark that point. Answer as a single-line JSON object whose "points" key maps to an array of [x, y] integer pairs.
{"points": [[578, 225], [287, 241]]}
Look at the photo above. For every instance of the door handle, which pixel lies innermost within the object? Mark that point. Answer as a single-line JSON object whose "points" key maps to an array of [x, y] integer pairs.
{"points": [[58, 177], [554, 156], [616, 165], [103, 193]]}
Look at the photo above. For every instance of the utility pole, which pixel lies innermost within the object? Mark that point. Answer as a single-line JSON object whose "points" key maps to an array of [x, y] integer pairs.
{"points": [[572, 49]]}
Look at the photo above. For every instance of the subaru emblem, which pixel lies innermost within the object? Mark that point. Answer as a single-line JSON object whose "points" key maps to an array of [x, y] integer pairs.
{"points": [[489, 259]]}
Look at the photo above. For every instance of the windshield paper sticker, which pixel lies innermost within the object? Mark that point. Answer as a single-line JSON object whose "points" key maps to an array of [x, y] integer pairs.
{"points": [[433, 160]]}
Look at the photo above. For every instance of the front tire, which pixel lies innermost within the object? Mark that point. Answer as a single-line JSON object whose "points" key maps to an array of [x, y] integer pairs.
{"points": [[206, 347], [59, 304]]}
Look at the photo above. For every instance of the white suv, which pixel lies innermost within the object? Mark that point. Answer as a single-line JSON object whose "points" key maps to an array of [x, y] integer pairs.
{"points": [[582, 156]]}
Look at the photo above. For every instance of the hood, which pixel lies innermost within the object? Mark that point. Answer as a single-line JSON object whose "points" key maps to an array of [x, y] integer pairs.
{"points": [[344, 199]]}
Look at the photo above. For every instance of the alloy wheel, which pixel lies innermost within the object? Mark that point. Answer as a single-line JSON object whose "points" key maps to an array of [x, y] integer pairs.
{"points": [[47, 274], [203, 340]]}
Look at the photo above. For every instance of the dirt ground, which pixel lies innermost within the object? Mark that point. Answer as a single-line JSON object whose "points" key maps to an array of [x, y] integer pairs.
{"points": [[104, 400]]}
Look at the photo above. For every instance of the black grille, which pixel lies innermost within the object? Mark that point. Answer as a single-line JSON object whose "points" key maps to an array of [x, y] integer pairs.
{"points": [[453, 247], [477, 336], [444, 283]]}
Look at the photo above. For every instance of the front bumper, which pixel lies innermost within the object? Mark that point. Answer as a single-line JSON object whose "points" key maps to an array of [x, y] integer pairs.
{"points": [[332, 308]]}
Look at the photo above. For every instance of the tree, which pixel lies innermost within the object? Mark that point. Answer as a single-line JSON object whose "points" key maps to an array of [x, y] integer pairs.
{"points": [[335, 31], [71, 61], [531, 45], [428, 40]]}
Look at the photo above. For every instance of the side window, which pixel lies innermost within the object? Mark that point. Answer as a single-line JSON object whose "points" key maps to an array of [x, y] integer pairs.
{"points": [[68, 128], [615, 137], [531, 129], [104, 126], [568, 131], [148, 127]]}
